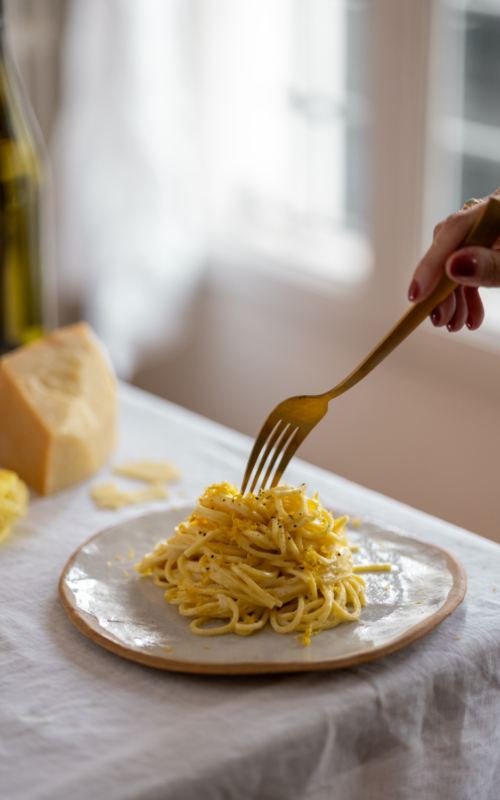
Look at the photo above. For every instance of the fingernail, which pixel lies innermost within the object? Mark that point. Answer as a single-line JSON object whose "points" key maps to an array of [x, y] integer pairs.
{"points": [[464, 266], [450, 326], [469, 322], [436, 317], [413, 291]]}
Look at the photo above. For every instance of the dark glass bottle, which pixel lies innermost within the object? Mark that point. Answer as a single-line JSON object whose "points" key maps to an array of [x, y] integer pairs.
{"points": [[23, 294]]}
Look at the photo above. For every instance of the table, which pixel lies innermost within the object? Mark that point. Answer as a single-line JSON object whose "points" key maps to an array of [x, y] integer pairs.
{"points": [[77, 721]]}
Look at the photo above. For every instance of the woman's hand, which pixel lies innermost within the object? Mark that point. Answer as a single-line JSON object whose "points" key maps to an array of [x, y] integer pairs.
{"points": [[469, 266]]}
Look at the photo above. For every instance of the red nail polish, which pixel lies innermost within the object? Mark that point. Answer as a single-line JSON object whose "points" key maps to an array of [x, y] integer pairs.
{"points": [[464, 266], [435, 317], [413, 291], [450, 326], [469, 323]]}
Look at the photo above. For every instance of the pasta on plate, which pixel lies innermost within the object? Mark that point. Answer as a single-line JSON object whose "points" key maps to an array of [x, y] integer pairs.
{"points": [[277, 557]]}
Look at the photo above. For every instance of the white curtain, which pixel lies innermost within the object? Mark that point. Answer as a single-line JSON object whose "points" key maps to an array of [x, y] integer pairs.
{"points": [[127, 173]]}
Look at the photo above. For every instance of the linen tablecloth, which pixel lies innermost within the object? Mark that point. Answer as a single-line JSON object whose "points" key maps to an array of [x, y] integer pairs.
{"points": [[77, 721]]}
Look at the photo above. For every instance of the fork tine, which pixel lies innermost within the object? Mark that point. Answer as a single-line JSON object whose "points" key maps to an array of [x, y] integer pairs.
{"points": [[280, 427], [292, 447], [286, 433], [267, 428]]}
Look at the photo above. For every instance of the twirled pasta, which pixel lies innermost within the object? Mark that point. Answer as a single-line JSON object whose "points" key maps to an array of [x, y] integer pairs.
{"points": [[278, 556]]}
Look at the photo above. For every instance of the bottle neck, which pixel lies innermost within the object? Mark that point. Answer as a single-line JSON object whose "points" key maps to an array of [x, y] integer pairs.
{"points": [[2, 27]]}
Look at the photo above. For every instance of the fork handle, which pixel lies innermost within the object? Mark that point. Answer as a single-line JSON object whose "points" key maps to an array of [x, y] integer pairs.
{"points": [[484, 233]]}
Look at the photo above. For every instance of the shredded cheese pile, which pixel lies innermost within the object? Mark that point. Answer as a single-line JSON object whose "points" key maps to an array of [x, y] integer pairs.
{"points": [[155, 473], [150, 471], [14, 497], [278, 557], [108, 495]]}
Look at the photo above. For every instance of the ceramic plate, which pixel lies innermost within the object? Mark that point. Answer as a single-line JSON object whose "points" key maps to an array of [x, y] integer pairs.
{"points": [[108, 602]]}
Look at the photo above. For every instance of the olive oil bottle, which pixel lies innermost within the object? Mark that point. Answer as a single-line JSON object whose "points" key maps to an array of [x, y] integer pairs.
{"points": [[23, 290]]}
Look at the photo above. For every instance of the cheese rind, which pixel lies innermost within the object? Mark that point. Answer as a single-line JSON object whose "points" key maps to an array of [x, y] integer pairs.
{"points": [[58, 409]]}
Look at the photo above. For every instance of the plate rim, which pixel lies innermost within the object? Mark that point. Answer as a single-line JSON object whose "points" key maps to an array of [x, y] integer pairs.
{"points": [[78, 617]]}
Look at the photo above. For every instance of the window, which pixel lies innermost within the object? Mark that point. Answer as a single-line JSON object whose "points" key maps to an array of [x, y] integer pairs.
{"points": [[467, 112], [285, 118]]}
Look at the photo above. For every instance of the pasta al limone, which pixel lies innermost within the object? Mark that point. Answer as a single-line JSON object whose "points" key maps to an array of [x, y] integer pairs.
{"points": [[277, 557]]}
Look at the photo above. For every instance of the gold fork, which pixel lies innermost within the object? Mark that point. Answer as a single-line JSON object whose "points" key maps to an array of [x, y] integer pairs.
{"points": [[292, 420]]}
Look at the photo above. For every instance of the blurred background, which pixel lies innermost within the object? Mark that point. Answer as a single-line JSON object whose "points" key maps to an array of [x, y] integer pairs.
{"points": [[243, 189]]}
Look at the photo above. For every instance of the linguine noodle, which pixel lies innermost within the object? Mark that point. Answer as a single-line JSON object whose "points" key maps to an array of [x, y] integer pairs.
{"points": [[246, 560]]}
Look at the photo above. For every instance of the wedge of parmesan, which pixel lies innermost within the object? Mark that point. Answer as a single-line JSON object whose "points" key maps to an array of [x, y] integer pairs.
{"points": [[149, 471], [108, 495], [58, 409]]}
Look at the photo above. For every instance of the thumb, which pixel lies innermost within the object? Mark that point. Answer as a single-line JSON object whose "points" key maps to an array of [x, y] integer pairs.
{"points": [[475, 266]]}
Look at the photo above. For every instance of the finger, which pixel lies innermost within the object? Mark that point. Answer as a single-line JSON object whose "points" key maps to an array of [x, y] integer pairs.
{"points": [[437, 230], [448, 238], [461, 311], [444, 312], [475, 308], [475, 266]]}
